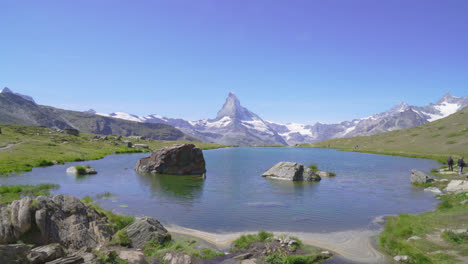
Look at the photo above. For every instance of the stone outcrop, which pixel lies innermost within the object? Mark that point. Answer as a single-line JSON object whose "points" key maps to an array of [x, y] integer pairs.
{"points": [[184, 159], [291, 171], [71, 131], [60, 219], [14, 253], [45, 253], [457, 186], [420, 177], [145, 229]]}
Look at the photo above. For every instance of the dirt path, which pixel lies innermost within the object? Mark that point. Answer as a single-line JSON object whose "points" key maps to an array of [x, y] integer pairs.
{"points": [[355, 245], [9, 146]]}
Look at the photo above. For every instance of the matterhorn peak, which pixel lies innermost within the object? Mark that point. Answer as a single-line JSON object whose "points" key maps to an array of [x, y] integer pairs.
{"points": [[233, 109]]}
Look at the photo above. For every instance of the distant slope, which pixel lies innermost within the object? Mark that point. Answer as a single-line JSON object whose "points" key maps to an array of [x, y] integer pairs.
{"points": [[14, 109], [436, 140], [25, 147]]}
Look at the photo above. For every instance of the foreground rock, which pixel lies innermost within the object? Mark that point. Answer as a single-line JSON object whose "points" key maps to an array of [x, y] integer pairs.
{"points": [[15, 253], [144, 230], [185, 159], [80, 170], [457, 186], [60, 219], [291, 171], [420, 177]]}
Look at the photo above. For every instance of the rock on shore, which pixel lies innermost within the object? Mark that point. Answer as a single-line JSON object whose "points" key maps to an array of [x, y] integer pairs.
{"points": [[291, 171], [65, 230], [184, 159], [420, 177]]}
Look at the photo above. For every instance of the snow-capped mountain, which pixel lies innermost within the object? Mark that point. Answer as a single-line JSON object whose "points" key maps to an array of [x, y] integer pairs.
{"points": [[398, 117], [26, 97], [234, 124]]}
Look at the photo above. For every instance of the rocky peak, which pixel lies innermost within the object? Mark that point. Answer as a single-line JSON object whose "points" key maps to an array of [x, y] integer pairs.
{"points": [[399, 108], [90, 111], [447, 98], [6, 90], [233, 109], [25, 97]]}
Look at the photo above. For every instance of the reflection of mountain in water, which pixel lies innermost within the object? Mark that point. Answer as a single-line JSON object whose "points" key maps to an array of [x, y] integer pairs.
{"points": [[184, 188]]}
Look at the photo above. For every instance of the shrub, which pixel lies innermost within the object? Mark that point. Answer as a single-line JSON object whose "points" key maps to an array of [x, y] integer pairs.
{"points": [[313, 166], [331, 174], [244, 241], [121, 238], [45, 163], [451, 142], [80, 170], [460, 238]]}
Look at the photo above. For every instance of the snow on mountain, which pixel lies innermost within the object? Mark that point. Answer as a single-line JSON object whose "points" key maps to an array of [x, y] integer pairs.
{"points": [[235, 124], [25, 97]]}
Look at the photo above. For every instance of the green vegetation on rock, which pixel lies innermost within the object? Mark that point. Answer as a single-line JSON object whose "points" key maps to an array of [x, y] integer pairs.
{"points": [[117, 221], [25, 147], [9, 193], [245, 241], [158, 250], [425, 141]]}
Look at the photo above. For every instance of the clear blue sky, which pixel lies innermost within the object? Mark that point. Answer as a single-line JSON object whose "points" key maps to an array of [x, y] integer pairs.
{"points": [[288, 61]]}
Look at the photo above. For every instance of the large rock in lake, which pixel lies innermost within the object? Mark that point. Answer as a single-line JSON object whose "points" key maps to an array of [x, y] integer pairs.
{"points": [[184, 159], [291, 171], [420, 177]]}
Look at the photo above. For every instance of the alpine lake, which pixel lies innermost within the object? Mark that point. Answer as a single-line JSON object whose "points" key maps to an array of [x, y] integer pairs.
{"points": [[235, 198]]}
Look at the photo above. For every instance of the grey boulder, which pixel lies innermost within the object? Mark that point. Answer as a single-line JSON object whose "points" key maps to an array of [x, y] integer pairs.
{"points": [[420, 177], [291, 171], [60, 219], [14, 253], [146, 229], [183, 159], [46, 253]]}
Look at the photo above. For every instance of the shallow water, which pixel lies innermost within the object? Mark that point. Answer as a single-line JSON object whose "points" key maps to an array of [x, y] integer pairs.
{"points": [[234, 197]]}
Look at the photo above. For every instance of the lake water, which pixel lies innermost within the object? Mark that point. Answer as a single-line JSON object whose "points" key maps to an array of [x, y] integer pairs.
{"points": [[234, 197]]}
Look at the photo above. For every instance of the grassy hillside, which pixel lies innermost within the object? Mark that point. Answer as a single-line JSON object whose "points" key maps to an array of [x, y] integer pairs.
{"points": [[16, 110], [436, 140], [25, 147]]}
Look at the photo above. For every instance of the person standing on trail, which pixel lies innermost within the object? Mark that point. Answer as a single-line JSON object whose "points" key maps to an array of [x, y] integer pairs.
{"points": [[461, 164], [450, 163]]}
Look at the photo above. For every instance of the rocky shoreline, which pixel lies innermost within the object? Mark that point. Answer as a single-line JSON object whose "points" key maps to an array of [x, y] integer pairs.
{"points": [[62, 229]]}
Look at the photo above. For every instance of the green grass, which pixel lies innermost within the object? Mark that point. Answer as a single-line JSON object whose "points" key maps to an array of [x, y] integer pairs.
{"points": [[456, 238], [110, 257], [245, 241], [450, 214], [121, 238], [9, 193], [117, 221], [313, 166], [39, 147], [405, 142], [158, 250], [279, 258]]}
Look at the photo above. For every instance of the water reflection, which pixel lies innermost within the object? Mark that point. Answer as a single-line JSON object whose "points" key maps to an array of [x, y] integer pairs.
{"points": [[184, 188]]}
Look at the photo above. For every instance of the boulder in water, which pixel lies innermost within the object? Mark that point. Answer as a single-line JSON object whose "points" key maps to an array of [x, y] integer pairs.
{"points": [[420, 177], [291, 171], [184, 159]]}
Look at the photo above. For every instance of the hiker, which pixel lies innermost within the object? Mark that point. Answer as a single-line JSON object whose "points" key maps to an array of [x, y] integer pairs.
{"points": [[450, 163], [461, 164]]}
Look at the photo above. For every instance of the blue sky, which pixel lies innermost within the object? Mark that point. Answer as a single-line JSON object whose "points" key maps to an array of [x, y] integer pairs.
{"points": [[288, 61]]}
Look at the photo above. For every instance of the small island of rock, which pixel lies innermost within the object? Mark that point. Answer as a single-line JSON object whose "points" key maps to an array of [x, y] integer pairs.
{"points": [[291, 171], [183, 159]]}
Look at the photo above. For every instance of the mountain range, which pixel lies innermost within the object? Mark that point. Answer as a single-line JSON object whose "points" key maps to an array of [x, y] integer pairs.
{"points": [[235, 124], [22, 110]]}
